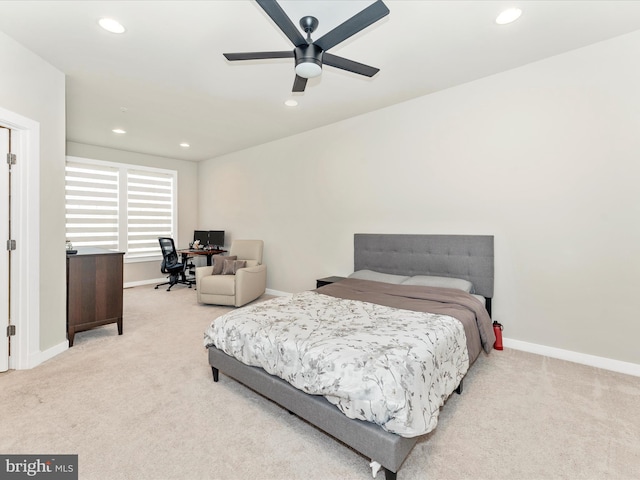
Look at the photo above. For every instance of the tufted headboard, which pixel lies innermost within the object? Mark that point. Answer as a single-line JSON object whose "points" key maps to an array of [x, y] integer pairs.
{"points": [[459, 256]]}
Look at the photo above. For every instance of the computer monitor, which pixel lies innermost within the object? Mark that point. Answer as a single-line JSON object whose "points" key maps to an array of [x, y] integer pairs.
{"points": [[216, 238], [202, 235]]}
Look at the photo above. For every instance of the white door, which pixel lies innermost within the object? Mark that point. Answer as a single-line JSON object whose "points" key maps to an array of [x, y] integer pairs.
{"points": [[4, 254]]}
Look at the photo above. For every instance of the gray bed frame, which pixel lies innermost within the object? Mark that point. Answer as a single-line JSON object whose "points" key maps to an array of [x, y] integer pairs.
{"points": [[460, 256]]}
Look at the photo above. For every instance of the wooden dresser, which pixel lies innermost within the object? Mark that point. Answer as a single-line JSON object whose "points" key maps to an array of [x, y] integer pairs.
{"points": [[94, 290]]}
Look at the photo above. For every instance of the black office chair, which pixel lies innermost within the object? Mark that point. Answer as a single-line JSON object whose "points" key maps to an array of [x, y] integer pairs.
{"points": [[171, 265]]}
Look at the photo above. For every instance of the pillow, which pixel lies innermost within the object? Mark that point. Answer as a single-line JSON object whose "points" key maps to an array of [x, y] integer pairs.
{"points": [[443, 282], [378, 277], [218, 263], [481, 299], [232, 266]]}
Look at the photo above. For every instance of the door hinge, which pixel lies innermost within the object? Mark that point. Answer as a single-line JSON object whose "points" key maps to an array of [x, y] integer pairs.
{"points": [[11, 244], [11, 158], [11, 330]]}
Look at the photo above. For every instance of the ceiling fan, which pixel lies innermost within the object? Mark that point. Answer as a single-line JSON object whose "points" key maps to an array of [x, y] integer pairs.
{"points": [[311, 55]]}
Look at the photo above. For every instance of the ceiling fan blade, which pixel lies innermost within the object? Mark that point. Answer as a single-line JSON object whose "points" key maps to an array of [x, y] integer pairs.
{"points": [[299, 83], [349, 65], [358, 22], [274, 10], [258, 55]]}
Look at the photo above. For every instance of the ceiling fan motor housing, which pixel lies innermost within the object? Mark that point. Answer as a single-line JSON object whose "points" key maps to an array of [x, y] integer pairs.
{"points": [[308, 60]]}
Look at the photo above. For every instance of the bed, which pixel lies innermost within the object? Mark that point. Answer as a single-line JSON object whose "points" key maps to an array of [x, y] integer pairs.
{"points": [[382, 265]]}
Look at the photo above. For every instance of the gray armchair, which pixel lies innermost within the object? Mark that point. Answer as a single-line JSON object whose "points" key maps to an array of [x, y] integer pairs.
{"points": [[238, 289]]}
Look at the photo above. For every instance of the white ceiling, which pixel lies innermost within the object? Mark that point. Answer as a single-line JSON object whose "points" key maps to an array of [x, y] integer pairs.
{"points": [[168, 74]]}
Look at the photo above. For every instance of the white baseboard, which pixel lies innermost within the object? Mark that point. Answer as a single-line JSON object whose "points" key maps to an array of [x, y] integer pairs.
{"points": [[277, 293], [576, 357], [42, 356], [145, 282], [156, 281]]}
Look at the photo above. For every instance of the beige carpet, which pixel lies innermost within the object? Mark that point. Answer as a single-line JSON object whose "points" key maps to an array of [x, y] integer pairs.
{"points": [[144, 406]]}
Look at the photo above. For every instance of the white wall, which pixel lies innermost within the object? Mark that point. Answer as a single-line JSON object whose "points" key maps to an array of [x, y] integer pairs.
{"points": [[34, 89], [142, 272], [544, 157]]}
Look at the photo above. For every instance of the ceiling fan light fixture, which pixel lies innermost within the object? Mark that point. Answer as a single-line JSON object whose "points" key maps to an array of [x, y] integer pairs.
{"points": [[308, 61], [308, 69]]}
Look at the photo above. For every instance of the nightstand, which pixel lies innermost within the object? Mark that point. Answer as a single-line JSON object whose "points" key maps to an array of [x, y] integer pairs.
{"points": [[327, 280]]}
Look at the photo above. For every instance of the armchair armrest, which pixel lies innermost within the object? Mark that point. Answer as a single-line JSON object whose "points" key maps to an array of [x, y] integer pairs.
{"points": [[251, 282], [202, 272]]}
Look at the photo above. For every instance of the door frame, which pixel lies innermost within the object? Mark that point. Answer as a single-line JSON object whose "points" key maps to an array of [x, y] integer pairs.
{"points": [[25, 292], [5, 270]]}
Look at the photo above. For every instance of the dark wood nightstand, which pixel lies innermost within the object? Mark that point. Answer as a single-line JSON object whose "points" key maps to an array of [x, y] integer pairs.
{"points": [[327, 280]]}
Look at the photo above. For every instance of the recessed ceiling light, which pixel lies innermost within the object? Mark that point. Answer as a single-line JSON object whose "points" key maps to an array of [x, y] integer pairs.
{"points": [[508, 16], [111, 25], [119, 130], [291, 103], [185, 145]]}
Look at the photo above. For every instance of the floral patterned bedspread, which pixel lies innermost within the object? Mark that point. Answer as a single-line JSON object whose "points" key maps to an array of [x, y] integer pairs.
{"points": [[384, 365]]}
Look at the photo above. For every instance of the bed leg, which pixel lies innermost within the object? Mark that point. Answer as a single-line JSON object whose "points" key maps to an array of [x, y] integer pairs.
{"points": [[459, 389], [389, 475], [215, 373]]}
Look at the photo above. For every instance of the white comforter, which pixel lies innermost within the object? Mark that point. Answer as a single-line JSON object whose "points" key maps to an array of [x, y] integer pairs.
{"points": [[388, 366]]}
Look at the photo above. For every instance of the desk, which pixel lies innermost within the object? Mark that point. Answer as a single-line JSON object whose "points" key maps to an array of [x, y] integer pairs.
{"points": [[209, 253]]}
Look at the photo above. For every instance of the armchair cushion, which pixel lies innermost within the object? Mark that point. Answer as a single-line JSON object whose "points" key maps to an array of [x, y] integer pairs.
{"points": [[218, 284], [218, 263], [232, 266]]}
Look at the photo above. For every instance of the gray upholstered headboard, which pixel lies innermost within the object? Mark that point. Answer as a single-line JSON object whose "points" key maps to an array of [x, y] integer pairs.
{"points": [[460, 256]]}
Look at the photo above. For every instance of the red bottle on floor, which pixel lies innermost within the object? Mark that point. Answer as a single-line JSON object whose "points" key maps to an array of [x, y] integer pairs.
{"points": [[497, 329]]}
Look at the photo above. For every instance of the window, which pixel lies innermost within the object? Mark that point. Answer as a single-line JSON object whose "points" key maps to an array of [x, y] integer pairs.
{"points": [[119, 207], [91, 200], [149, 211]]}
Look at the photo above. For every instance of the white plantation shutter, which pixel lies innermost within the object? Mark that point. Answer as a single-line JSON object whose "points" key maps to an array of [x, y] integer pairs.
{"points": [[120, 207], [91, 193], [149, 211]]}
